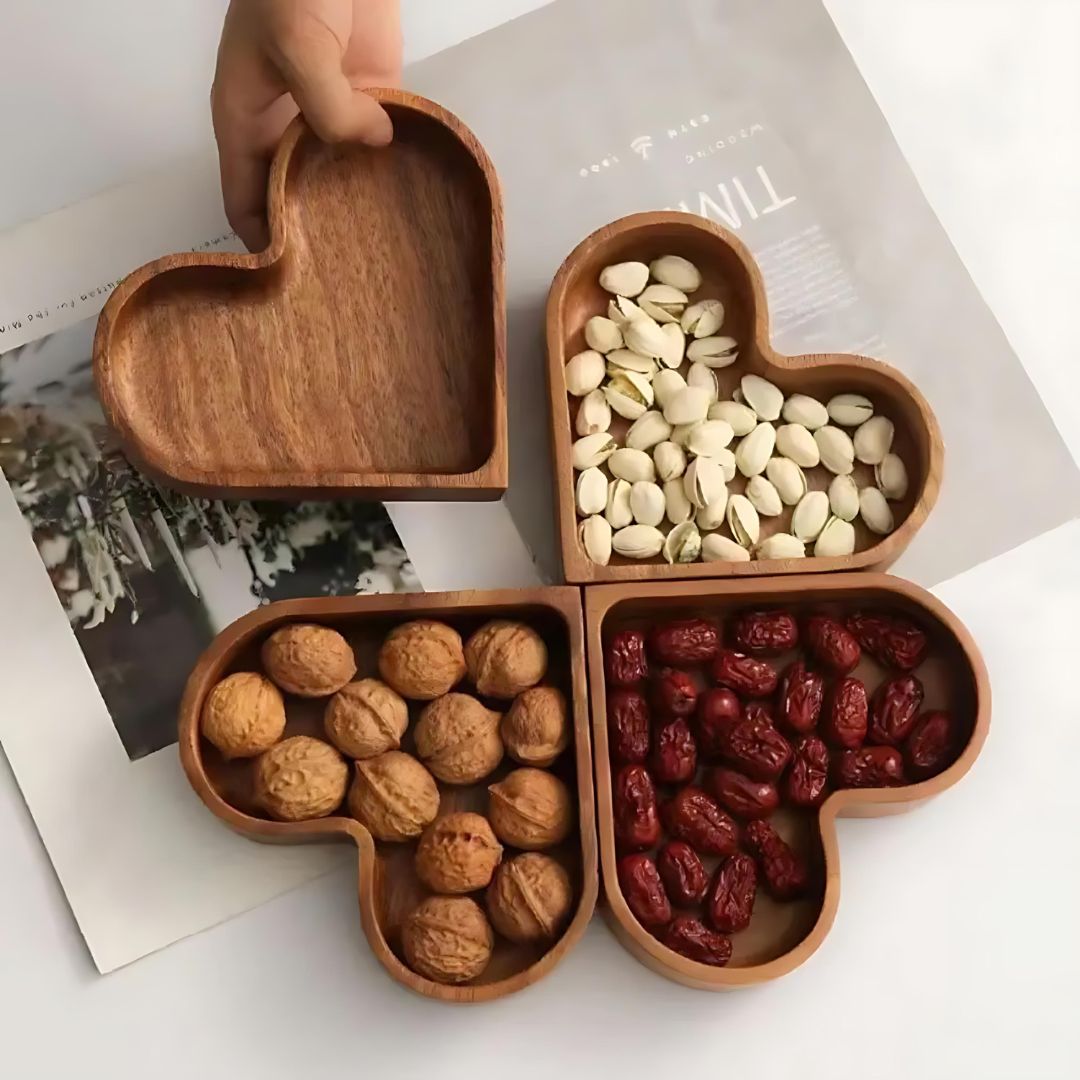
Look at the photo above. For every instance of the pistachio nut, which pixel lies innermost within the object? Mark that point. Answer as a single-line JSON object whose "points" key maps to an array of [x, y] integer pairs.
{"points": [[837, 538], [781, 546], [584, 372], [664, 303], [676, 504], [711, 517], [683, 543], [675, 349], [709, 437], [788, 479], [805, 410], [647, 431], [704, 377], [617, 512], [763, 494], [677, 272], [873, 440], [704, 484], [647, 503], [703, 319], [810, 516], [688, 406], [891, 476], [837, 449], [754, 452], [875, 511], [795, 441], [726, 460], [638, 541], [592, 450], [619, 360], [717, 548], [591, 492], [680, 433], [621, 311], [644, 336], [670, 460], [666, 384], [844, 498], [850, 410], [714, 352], [631, 465], [743, 520], [764, 397], [629, 394], [602, 334], [741, 417], [595, 536], [593, 414], [624, 279]]}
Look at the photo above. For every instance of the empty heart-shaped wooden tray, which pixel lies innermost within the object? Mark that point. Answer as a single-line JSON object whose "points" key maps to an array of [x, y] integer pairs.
{"points": [[388, 886], [730, 274], [362, 354], [781, 936]]}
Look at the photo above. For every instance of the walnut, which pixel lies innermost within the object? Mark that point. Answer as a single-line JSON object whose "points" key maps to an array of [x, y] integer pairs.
{"points": [[422, 659], [458, 739], [458, 853], [505, 658], [366, 718], [448, 939], [300, 778], [530, 898], [393, 796], [535, 731], [530, 809], [243, 715], [308, 660]]}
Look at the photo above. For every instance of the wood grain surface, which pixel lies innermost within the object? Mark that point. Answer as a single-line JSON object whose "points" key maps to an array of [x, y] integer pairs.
{"points": [[363, 353], [782, 936], [731, 275]]}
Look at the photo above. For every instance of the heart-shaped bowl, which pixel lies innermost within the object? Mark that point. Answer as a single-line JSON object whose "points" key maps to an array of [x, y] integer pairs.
{"points": [[388, 886], [781, 935], [362, 354], [729, 274]]}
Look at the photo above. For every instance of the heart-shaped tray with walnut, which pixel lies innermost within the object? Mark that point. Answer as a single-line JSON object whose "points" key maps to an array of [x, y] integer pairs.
{"points": [[730, 275], [362, 354]]}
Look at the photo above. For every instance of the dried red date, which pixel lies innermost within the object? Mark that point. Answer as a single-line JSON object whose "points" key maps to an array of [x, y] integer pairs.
{"points": [[798, 701], [691, 938], [625, 662], [931, 744], [674, 757], [872, 766], [894, 641], [682, 872], [628, 725], [743, 797], [831, 644], [765, 632], [674, 693], [643, 891], [894, 710], [845, 718], [717, 710], [684, 641], [637, 821], [694, 817], [807, 780], [731, 897], [744, 674], [785, 873], [755, 747]]}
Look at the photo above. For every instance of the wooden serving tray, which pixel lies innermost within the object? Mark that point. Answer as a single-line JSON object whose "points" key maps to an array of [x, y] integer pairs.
{"points": [[783, 935], [730, 274], [362, 354], [388, 887]]}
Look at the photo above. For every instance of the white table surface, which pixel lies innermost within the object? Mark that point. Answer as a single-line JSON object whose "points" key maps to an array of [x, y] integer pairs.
{"points": [[957, 943]]}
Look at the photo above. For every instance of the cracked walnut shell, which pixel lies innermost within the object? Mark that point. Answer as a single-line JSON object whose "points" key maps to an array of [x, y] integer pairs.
{"points": [[458, 853], [308, 660], [535, 731], [244, 715], [505, 657], [447, 939], [393, 796], [300, 778], [530, 898], [422, 659], [457, 738], [366, 718], [530, 809]]}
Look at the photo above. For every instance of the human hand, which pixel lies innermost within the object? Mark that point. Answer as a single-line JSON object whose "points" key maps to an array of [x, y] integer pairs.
{"points": [[280, 57]]}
